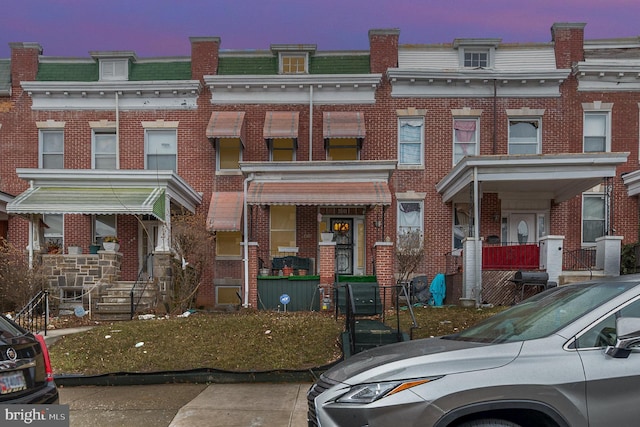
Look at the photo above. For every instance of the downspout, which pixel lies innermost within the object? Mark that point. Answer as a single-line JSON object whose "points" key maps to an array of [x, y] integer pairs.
{"points": [[246, 241], [117, 132], [31, 237], [495, 119], [310, 122]]}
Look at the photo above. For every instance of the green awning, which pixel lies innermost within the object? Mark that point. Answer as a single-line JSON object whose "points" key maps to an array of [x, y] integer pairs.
{"points": [[91, 200]]}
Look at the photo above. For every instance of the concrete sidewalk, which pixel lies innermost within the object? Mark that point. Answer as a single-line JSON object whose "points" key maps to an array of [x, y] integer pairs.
{"points": [[246, 405]]}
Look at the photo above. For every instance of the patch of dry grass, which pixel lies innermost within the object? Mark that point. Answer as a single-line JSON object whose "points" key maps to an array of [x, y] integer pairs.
{"points": [[246, 341]]}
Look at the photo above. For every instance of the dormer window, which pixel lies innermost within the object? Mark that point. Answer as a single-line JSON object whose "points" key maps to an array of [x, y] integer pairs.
{"points": [[293, 64], [293, 59], [114, 69], [476, 53], [114, 65], [476, 59]]}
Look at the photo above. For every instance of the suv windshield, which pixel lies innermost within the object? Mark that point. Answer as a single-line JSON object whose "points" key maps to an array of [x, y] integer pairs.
{"points": [[543, 314]]}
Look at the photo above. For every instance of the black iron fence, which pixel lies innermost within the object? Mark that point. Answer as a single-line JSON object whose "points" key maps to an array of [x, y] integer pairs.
{"points": [[35, 315]]}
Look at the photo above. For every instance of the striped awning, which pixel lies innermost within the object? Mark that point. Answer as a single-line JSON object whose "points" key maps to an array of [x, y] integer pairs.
{"points": [[281, 124], [226, 124], [90, 201], [343, 124], [319, 193], [225, 211]]}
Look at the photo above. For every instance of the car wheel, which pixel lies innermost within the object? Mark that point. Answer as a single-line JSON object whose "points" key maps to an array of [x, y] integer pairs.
{"points": [[490, 422]]}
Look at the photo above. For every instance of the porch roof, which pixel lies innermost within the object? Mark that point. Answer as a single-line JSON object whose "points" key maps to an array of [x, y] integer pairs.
{"points": [[225, 211], [319, 193], [98, 201], [557, 177], [94, 191]]}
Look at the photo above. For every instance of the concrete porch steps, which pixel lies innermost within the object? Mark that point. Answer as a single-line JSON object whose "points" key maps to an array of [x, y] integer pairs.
{"points": [[115, 303]]}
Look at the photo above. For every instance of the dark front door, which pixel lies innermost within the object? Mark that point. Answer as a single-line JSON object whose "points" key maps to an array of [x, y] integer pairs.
{"points": [[343, 231]]}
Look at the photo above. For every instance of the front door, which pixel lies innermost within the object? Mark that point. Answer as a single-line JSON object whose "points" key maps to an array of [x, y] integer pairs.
{"points": [[343, 236], [522, 228]]}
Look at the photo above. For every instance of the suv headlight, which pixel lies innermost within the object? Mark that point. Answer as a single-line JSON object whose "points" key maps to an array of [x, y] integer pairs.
{"points": [[367, 393]]}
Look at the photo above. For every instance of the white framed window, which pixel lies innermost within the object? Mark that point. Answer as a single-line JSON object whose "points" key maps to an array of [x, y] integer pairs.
{"points": [[461, 223], [293, 63], [593, 217], [228, 153], [465, 138], [342, 148], [476, 58], [51, 149], [524, 136], [282, 227], [104, 149], [103, 225], [596, 133], [282, 149], [161, 148], [54, 230], [411, 141], [228, 244], [114, 69], [410, 216]]}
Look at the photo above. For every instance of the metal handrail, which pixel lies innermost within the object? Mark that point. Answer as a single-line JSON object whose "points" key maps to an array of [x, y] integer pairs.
{"points": [[578, 257], [32, 321], [134, 306]]}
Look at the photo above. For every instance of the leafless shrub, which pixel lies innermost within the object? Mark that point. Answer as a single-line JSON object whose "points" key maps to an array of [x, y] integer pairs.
{"points": [[193, 245], [18, 282], [409, 253]]}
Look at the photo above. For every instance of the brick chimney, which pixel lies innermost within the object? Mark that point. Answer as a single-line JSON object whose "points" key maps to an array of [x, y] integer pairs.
{"points": [[383, 49], [24, 63], [568, 39], [204, 56]]}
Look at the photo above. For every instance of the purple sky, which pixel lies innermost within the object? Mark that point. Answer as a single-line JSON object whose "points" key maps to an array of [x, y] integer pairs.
{"points": [[163, 27]]}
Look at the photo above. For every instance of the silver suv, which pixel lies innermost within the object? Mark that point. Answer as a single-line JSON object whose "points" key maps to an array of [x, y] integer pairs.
{"points": [[567, 357]]}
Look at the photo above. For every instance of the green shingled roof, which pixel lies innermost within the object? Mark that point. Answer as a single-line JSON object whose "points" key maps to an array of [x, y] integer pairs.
{"points": [[66, 72], [5, 75], [268, 65], [85, 72], [160, 71], [181, 70], [248, 66]]}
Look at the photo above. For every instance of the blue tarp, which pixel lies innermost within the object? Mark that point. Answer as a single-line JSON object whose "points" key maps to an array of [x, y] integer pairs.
{"points": [[437, 289]]}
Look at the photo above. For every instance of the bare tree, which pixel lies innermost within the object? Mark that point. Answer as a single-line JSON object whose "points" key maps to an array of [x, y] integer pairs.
{"points": [[193, 247], [409, 253]]}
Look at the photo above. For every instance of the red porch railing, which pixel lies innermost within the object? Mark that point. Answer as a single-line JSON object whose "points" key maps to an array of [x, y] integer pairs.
{"points": [[511, 257]]}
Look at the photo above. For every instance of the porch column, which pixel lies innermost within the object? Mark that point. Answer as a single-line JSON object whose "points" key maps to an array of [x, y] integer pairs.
{"points": [[551, 254], [472, 270], [164, 231], [253, 274], [384, 271], [608, 255], [327, 267]]}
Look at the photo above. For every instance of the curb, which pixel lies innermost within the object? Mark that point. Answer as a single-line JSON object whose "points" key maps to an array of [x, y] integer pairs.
{"points": [[196, 376]]}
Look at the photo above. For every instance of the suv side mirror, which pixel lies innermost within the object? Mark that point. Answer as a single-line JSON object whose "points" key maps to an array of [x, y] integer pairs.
{"points": [[628, 330]]}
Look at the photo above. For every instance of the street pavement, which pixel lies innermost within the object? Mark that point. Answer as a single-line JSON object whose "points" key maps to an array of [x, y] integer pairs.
{"points": [[182, 404]]}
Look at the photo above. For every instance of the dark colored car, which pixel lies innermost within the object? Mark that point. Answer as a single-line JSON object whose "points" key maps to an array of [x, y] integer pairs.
{"points": [[26, 376], [567, 357]]}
